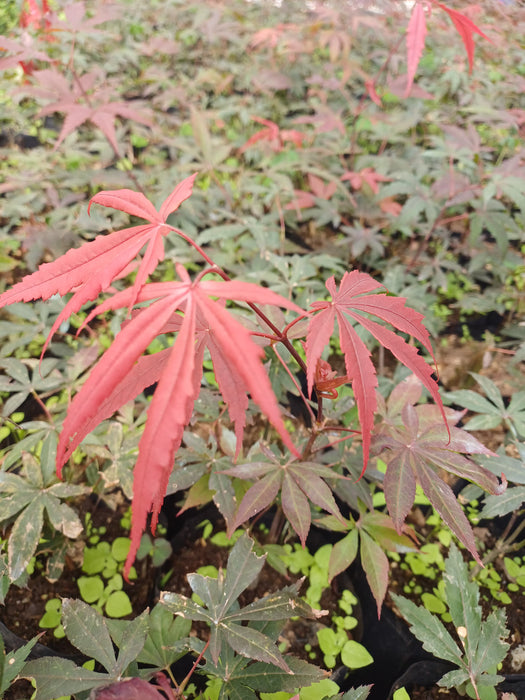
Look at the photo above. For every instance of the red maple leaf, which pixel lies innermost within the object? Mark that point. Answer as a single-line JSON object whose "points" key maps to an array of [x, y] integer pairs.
{"points": [[85, 101], [90, 269], [367, 175], [34, 16], [275, 136], [416, 33], [466, 29], [356, 297], [237, 361]]}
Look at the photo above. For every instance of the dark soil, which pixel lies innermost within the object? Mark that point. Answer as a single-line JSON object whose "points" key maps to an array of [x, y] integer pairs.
{"points": [[24, 607]]}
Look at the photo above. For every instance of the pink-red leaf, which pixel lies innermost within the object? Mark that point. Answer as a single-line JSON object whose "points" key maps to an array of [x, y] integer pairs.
{"points": [[357, 296], [400, 488], [108, 375], [315, 489], [416, 33], [90, 269], [466, 29], [168, 415], [444, 501], [133, 203], [178, 372]]}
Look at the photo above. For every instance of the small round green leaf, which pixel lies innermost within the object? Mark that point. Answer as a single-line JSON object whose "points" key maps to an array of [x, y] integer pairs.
{"points": [[118, 605], [354, 655], [90, 587]]}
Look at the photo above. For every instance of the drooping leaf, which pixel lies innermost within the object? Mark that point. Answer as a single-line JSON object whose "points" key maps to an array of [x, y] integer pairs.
{"points": [[376, 568], [357, 296], [258, 497], [415, 41], [343, 553], [466, 29], [296, 507], [179, 382]]}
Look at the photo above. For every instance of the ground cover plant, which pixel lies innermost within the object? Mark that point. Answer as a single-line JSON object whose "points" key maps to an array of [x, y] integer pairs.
{"points": [[209, 238]]}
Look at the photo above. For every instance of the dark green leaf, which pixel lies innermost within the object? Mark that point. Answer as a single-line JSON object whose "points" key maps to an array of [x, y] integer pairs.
{"points": [[86, 629], [165, 642], [24, 537], [56, 677], [242, 569], [14, 662], [132, 643], [270, 679], [184, 607], [254, 645]]}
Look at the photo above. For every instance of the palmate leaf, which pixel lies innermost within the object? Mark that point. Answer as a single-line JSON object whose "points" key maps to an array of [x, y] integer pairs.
{"points": [[90, 269], [222, 614], [357, 296], [466, 28], [417, 31], [299, 482], [414, 451], [179, 382], [483, 645]]}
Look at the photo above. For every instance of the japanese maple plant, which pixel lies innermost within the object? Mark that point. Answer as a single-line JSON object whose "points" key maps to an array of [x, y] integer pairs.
{"points": [[195, 312], [199, 314]]}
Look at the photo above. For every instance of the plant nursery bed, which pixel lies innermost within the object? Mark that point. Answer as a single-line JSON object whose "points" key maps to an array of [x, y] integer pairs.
{"points": [[25, 606]]}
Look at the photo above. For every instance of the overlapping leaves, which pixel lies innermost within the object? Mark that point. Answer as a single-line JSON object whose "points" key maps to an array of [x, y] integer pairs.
{"points": [[353, 301], [90, 269], [118, 376], [299, 484]]}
